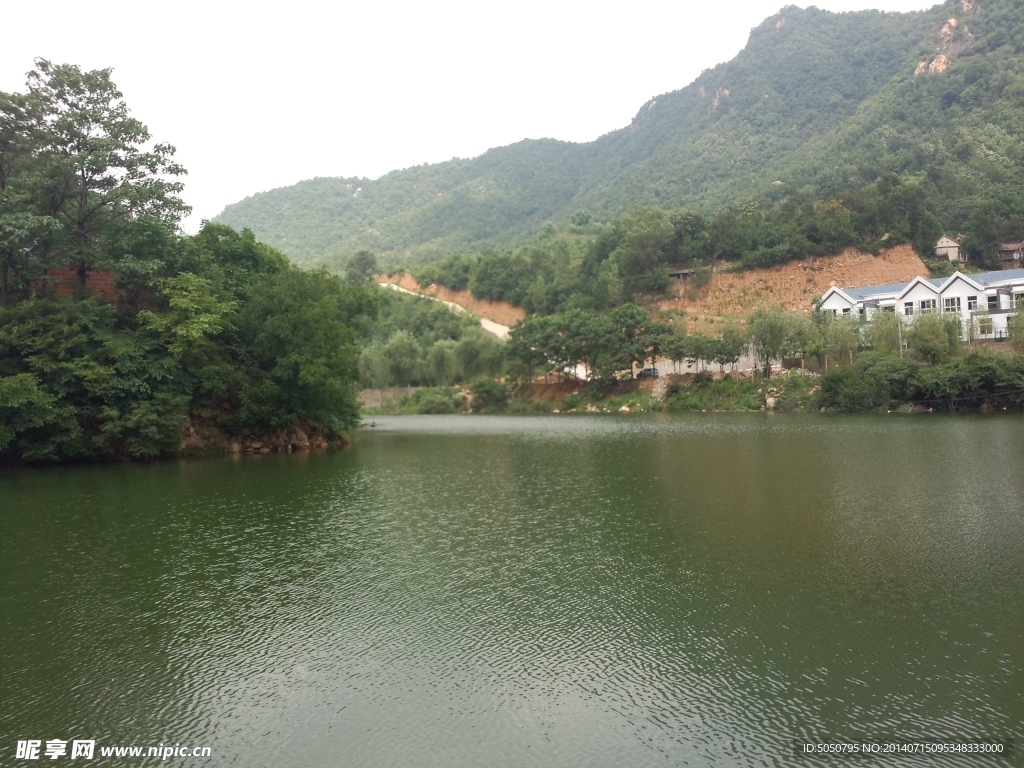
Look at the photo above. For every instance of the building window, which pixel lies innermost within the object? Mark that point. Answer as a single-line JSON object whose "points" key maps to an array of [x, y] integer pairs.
{"points": [[862, 312], [952, 304], [927, 305], [889, 309], [846, 311], [993, 303], [985, 326], [908, 307], [972, 303]]}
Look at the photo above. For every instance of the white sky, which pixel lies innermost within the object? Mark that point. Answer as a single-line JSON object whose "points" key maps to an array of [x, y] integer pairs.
{"points": [[257, 96]]}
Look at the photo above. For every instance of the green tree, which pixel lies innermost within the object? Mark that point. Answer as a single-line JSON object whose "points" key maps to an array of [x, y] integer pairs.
{"points": [[443, 363], [934, 338], [885, 333], [96, 160], [403, 355], [769, 335], [302, 359], [361, 268]]}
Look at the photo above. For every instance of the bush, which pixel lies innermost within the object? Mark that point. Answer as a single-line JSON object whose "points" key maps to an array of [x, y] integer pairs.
{"points": [[489, 396], [432, 401]]}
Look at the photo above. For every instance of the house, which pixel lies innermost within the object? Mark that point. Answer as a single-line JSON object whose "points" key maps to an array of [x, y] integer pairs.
{"points": [[949, 249], [1011, 254], [983, 303]]}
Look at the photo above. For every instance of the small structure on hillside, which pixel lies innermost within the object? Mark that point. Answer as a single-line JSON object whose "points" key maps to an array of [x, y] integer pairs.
{"points": [[1012, 255], [681, 274], [949, 249]]}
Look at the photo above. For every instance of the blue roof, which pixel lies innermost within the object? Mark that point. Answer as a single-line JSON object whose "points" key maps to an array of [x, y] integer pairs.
{"points": [[868, 290], [984, 278]]}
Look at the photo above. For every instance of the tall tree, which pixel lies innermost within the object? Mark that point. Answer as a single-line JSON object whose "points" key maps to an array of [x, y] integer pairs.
{"points": [[21, 224], [98, 161]]}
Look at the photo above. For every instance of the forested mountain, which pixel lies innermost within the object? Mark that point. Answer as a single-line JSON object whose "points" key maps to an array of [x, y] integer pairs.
{"points": [[824, 103]]}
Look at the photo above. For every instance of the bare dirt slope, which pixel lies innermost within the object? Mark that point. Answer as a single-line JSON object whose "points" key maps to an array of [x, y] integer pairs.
{"points": [[794, 286], [496, 311]]}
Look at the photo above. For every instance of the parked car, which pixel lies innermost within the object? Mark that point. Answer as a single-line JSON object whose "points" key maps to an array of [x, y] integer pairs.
{"points": [[648, 373]]}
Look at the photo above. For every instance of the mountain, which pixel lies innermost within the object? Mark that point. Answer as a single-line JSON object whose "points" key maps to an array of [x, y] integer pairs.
{"points": [[819, 101]]}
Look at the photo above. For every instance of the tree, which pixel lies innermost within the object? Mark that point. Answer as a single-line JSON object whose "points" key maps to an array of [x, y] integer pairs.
{"points": [[403, 356], [646, 236], [676, 346], [301, 356], [769, 335], [657, 337], [628, 341], [361, 268], [442, 363], [934, 338], [95, 162], [885, 333], [22, 226]]}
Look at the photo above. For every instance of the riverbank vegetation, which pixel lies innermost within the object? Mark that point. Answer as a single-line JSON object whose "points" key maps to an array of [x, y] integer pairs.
{"points": [[580, 362], [116, 330]]}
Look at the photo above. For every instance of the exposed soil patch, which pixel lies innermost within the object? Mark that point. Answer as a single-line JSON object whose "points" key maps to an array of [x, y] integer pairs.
{"points": [[793, 286]]}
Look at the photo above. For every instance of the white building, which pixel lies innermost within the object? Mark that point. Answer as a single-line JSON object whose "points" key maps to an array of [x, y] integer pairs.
{"points": [[984, 303], [949, 249]]}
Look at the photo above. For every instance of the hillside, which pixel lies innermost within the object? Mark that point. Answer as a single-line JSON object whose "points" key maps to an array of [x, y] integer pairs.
{"points": [[793, 286], [819, 101]]}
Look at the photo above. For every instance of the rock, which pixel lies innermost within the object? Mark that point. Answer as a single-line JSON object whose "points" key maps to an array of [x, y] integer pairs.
{"points": [[624, 409], [769, 403], [591, 408]]}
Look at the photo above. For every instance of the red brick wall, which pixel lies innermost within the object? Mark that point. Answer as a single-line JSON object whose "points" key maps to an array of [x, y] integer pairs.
{"points": [[64, 282]]}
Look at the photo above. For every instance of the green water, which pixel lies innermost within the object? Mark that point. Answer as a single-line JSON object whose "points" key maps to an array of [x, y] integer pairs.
{"points": [[563, 591]]}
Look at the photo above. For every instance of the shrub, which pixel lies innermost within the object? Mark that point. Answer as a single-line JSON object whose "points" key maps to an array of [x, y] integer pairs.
{"points": [[489, 396]]}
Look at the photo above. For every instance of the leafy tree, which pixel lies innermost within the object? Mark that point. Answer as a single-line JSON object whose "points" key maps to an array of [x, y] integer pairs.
{"points": [[443, 363], [769, 335], [934, 338], [302, 356], [885, 333], [403, 356], [95, 165], [361, 268]]}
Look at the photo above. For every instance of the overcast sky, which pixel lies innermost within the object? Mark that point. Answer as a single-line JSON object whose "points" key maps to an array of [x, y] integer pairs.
{"points": [[256, 96]]}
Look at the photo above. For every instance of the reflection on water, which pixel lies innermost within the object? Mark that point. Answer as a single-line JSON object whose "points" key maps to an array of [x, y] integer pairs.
{"points": [[527, 591]]}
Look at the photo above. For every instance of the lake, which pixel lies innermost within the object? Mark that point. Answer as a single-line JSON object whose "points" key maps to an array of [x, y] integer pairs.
{"points": [[549, 591]]}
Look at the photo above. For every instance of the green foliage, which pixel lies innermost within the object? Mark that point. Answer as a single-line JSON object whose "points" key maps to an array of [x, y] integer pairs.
{"points": [[886, 382], [416, 341], [489, 396], [432, 401], [885, 333], [301, 358], [216, 327], [934, 338]]}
